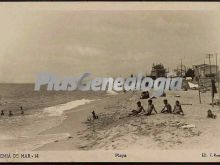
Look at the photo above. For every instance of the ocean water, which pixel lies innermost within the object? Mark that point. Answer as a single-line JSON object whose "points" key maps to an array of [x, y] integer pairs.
{"points": [[23, 132], [12, 96], [43, 110]]}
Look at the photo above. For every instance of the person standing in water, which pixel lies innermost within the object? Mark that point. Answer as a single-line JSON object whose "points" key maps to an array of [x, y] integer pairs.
{"points": [[2, 113], [10, 113], [22, 111]]}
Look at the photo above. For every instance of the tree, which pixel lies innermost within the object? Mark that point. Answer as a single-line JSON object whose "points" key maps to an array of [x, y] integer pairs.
{"points": [[159, 66], [158, 70]]}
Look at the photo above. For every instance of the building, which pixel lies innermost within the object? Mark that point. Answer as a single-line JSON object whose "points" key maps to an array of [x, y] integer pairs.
{"points": [[205, 71]]}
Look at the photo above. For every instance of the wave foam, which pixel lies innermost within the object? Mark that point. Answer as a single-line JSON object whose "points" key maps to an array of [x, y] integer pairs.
{"points": [[59, 109]]}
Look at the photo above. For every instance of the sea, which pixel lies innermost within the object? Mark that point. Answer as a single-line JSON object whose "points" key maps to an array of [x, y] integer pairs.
{"points": [[42, 110]]}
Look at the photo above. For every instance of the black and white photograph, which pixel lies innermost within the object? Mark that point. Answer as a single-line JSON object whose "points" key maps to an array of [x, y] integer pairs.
{"points": [[109, 81]]}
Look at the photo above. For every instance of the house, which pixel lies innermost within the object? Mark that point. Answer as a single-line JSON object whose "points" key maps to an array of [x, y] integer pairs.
{"points": [[205, 71]]}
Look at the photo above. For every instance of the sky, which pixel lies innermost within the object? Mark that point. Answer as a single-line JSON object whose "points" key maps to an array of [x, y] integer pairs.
{"points": [[104, 43]]}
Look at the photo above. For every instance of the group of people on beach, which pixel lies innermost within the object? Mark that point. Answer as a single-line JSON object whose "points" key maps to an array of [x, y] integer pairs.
{"points": [[166, 109]]}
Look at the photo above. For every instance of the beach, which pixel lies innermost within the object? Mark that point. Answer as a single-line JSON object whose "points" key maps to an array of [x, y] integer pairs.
{"points": [[42, 110], [66, 124], [115, 131], [110, 82]]}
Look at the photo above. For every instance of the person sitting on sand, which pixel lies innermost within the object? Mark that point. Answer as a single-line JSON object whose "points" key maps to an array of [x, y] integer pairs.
{"points": [[2, 113], [211, 115], [167, 107], [150, 108], [145, 95], [178, 109], [10, 113], [139, 109], [94, 115]]}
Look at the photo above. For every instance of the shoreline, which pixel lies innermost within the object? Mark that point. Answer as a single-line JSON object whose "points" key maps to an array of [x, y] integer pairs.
{"points": [[29, 126], [74, 120], [160, 131]]}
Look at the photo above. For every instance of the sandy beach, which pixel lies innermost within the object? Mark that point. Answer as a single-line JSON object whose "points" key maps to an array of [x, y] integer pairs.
{"points": [[115, 131], [64, 124]]}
